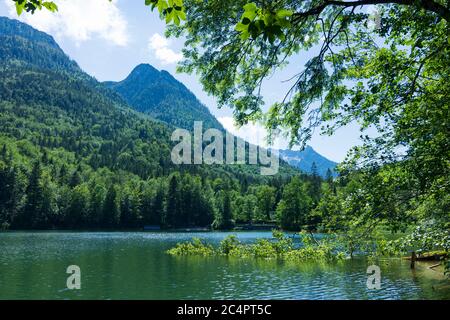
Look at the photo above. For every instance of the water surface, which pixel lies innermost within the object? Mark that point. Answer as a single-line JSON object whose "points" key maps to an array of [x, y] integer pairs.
{"points": [[134, 265]]}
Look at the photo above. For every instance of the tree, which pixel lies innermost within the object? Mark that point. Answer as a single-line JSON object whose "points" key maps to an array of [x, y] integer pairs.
{"points": [[265, 201], [46, 218], [329, 176], [387, 70], [8, 193], [111, 211], [28, 217], [227, 215], [77, 212], [63, 173], [172, 213], [248, 210], [153, 203], [75, 180], [209, 205], [225, 219], [4, 152], [295, 205], [97, 197], [315, 187], [158, 206], [130, 209]]}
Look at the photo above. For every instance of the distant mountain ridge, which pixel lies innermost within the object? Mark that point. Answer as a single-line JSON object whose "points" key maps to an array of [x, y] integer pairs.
{"points": [[36, 48], [32, 57], [160, 95], [304, 160], [48, 102]]}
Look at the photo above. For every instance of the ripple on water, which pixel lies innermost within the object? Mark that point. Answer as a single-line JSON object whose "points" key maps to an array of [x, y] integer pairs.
{"points": [[119, 265]]}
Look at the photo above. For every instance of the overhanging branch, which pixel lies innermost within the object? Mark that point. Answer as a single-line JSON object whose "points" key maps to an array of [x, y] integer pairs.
{"points": [[427, 5]]}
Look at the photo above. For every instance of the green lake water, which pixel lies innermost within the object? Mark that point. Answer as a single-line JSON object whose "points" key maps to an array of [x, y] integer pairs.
{"points": [[134, 265]]}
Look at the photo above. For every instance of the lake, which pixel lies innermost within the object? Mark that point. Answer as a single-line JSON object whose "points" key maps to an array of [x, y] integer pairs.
{"points": [[134, 265]]}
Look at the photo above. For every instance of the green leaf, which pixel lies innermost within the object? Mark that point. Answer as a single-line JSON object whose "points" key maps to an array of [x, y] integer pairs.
{"points": [[250, 15], [19, 7], [251, 7], [182, 15], [51, 6], [245, 35], [284, 13], [241, 27], [176, 19]]}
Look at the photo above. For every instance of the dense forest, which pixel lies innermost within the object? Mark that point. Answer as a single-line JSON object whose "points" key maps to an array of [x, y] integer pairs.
{"points": [[51, 194], [75, 155]]}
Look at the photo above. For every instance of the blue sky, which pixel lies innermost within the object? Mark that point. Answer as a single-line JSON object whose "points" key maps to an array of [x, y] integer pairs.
{"points": [[108, 40]]}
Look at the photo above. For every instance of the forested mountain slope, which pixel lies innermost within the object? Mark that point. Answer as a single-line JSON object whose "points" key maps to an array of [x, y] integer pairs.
{"points": [[23, 45], [73, 154], [160, 95]]}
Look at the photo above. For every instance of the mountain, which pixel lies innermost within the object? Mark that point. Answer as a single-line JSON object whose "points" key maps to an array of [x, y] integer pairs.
{"points": [[47, 101], [160, 95], [304, 160], [74, 154], [23, 45]]}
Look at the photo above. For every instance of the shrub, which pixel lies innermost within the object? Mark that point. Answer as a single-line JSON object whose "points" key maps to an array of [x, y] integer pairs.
{"points": [[282, 248], [229, 244], [194, 247]]}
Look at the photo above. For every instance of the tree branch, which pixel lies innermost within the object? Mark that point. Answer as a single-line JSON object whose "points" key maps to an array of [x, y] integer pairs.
{"points": [[427, 5]]}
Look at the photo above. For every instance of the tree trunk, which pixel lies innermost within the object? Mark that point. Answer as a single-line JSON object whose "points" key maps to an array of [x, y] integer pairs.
{"points": [[413, 259]]}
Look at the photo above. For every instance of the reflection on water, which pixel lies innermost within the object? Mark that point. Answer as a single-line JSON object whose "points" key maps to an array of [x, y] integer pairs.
{"points": [[135, 266]]}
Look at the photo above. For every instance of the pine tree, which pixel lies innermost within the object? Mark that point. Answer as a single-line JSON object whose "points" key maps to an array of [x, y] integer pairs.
{"points": [[172, 209], [44, 156], [34, 199], [44, 218], [249, 207], [330, 180], [225, 221], [130, 209], [97, 197], [316, 184], [158, 206], [75, 179], [111, 213], [3, 152], [8, 193], [63, 173], [314, 170], [329, 176]]}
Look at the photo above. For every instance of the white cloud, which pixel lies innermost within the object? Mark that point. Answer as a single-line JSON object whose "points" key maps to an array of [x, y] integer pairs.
{"points": [[160, 46], [79, 20], [252, 132]]}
